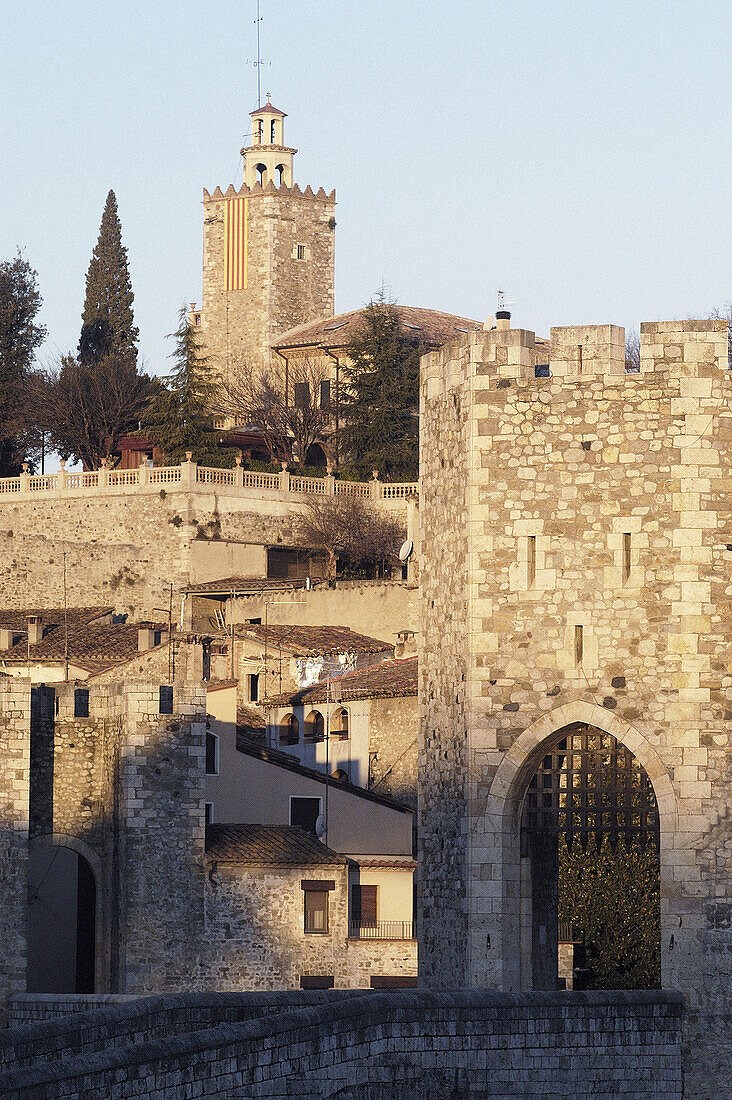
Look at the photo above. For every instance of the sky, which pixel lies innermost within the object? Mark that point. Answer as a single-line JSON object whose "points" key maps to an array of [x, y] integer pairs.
{"points": [[577, 155]]}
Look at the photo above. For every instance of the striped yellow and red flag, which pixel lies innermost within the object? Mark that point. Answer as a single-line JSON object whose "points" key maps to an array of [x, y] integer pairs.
{"points": [[236, 224]]}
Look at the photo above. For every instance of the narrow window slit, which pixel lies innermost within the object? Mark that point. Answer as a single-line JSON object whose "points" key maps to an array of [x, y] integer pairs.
{"points": [[626, 556], [579, 645], [531, 561]]}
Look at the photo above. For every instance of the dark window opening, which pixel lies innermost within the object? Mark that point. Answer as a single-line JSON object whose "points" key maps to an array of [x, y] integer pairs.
{"points": [[314, 728], [81, 703], [289, 730], [212, 753], [316, 981], [272, 132], [325, 394], [339, 725], [386, 981], [208, 813], [302, 395], [316, 910], [254, 687], [206, 672], [165, 704], [305, 812], [301, 252], [541, 370]]}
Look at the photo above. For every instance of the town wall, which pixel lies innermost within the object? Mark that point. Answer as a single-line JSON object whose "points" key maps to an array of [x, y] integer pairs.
{"points": [[15, 707], [593, 499], [400, 1046], [127, 536]]}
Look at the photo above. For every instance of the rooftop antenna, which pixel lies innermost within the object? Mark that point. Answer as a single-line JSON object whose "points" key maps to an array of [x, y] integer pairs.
{"points": [[259, 62]]}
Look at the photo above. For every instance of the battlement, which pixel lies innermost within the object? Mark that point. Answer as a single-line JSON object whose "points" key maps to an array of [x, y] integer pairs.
{"points": [[577, 353], [270, 189]]}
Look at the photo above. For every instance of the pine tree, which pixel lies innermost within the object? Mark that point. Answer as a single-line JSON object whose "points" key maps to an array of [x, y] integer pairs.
{"points": [[179, 417], [107, 321], [379, 400]]}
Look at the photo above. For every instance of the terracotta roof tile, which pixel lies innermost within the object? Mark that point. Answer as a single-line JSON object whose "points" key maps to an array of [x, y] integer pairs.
{"points": [[92, 644], [281, 845], [388, 679], [314, 641], [241, 586], [430, 325]]}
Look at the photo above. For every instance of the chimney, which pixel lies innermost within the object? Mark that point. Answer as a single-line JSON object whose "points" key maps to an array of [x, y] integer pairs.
{"points": [[503, 320], [35, 629], [406, 644], [6, 637]]}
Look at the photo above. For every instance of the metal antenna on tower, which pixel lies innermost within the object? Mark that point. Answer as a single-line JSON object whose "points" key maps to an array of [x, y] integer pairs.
{"points": [[259, 62]]}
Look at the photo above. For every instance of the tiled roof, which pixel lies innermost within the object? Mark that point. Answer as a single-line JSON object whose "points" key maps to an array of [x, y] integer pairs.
{"points": [[241, 586], [250, 718], [91, 644], [388, 679], [394, 864], [268, 108], [429, 325], [283, 845], [279, 759], [314, 641]]}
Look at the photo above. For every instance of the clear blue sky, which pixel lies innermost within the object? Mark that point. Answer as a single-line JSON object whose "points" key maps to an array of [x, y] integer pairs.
{"points": [[577, 154]]}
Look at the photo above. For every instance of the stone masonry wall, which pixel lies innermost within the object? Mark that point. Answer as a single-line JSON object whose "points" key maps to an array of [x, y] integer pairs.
{"points": [[445, 447], [393, 733], [239, 326], [595, 500], [15, 706], [161, 840], [400, 1046]]}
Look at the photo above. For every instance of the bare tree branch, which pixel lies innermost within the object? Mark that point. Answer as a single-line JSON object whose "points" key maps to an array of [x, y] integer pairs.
{"points": [[352, 533], [289, 403]]}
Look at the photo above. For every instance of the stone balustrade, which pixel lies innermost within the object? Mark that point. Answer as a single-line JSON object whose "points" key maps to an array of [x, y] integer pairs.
{"points": [[190, 477]]}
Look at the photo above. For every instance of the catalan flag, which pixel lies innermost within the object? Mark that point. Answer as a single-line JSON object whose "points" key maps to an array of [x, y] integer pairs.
{"points": [[236, 224]]}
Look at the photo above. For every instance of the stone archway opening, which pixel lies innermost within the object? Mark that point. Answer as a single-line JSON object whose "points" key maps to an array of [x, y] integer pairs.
{"points": [[62, 921], [590, 873]]}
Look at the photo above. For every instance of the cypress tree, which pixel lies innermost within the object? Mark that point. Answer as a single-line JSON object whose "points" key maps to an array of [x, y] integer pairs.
{"points": [[107, 321], [380, 397]]}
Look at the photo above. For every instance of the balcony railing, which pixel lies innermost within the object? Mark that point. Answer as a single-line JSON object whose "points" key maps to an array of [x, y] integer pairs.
{"points": [[382, 930]]}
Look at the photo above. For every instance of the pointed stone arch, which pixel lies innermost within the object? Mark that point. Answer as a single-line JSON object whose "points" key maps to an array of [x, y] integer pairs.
{"points": [[495, 837]]}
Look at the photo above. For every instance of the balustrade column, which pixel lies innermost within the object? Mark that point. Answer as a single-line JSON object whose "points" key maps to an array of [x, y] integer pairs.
{"points": [[188, 472]]}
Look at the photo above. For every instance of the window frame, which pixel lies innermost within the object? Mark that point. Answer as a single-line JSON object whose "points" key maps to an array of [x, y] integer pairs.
{"points": [[306, 798], [167, 688], [308, 895], [81, 702]]}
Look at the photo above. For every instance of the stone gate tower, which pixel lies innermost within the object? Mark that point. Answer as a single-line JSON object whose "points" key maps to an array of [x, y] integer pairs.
{"points": [[576, 561], [268, 253]]}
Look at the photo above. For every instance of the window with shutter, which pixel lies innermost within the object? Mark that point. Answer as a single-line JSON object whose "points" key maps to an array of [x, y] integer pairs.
{"points": [[364, 904]]}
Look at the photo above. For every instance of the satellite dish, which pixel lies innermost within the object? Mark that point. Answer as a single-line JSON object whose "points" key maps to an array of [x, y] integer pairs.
{"points": [[320, 826], [405, 551]]}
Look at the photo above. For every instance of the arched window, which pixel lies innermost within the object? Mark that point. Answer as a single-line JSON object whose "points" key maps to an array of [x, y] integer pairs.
{"points": [[272, 132], [339, 725], [289, 730], [261, 174], [314, 728], [258, 131], [280, 170]]}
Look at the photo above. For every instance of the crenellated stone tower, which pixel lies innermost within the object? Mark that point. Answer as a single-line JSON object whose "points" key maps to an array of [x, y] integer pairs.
{"points": [[268, 253]]}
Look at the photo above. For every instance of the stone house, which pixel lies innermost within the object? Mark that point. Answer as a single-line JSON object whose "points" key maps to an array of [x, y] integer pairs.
{"points": [[361, 726], [249, 782]]}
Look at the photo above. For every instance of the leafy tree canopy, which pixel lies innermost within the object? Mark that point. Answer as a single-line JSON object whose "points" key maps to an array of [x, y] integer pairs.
{"points": [[379, 399], [20, 335], [107, 321], [611, 898], [179, 417]]}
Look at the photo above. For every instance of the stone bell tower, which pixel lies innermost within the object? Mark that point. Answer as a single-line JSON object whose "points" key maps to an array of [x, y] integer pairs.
{"points": [[268, 254]]}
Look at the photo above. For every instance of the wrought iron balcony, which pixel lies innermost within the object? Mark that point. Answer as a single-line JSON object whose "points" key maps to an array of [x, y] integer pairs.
{"points": [[382, 930]]}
